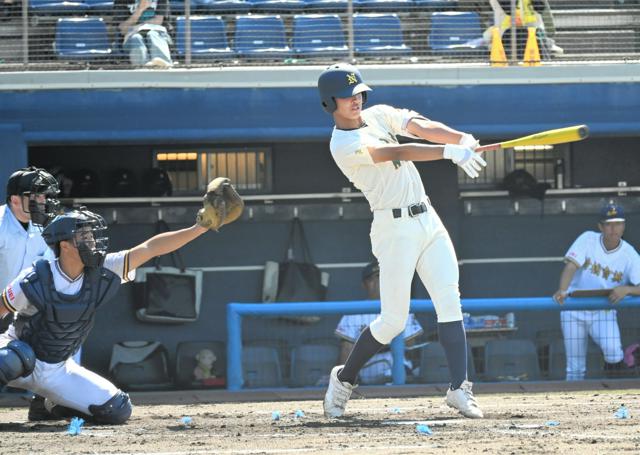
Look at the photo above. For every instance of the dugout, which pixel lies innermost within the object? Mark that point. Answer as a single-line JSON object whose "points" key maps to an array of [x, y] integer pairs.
{"points": [[106, 120]]}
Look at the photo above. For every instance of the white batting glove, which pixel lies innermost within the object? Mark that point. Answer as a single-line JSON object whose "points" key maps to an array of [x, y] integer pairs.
{"points": [[467, 140], [470, 161]]}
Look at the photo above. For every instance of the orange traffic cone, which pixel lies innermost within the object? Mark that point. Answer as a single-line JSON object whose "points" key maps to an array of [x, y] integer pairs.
{"points": [[498, 57], [531, 51]]}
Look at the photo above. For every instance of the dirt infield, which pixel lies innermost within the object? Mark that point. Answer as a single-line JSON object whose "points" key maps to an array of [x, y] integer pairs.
{"points": [[514, 424]]}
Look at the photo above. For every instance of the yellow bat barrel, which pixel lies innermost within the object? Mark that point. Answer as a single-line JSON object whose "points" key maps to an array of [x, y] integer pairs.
{"points": [[550, 137]]}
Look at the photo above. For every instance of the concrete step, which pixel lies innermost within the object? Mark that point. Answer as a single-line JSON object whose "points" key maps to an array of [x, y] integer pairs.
{"points": [[596, 18], [597, 41]]}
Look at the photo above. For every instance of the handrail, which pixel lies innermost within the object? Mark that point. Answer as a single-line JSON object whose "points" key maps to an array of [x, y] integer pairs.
{"points": [[236, 311]]}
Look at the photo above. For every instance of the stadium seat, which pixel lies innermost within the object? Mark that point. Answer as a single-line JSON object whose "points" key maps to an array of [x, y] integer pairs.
{"points": [[276, 6], [383, 5], [261, 367], [56, 7], [310, 362], [101, 6], [319, 35], [186, 362], [223, 6], [82, 38], [377, 34], [511, 360], [434, 367], [436, 5], [176, 7], [208, 37], [261, 36], [558, 360], [326, 6], [455, 32]]}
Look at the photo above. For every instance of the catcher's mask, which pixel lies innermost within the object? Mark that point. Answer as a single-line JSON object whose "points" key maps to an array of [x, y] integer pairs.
{"points": [[85, 229], [340, 81], [40, 188]]}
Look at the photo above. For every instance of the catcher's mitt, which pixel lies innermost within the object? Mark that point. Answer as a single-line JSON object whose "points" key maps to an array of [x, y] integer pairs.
{"points": [[221, 205]]}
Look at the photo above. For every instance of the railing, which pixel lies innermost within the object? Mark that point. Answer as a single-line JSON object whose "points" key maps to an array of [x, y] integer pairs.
{"points": [[84, 33], [236, 311]]}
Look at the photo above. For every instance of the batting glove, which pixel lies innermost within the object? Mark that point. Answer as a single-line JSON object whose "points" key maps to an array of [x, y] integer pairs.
{"points": [[467, 140], [470, 161]]}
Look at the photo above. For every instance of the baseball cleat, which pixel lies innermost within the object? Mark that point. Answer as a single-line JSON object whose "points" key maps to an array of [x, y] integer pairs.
{"points": [[463, 400], [38, 412], [337, 396]]}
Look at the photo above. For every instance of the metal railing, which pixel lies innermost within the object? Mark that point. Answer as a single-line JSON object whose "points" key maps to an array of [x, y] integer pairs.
{"points": [[85, 34]]}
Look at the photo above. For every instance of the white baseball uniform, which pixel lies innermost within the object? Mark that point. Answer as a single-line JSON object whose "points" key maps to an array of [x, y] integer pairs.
{"points": [[404, 244], [598, 268], [19, 248], [65, 383], [378, 369]]}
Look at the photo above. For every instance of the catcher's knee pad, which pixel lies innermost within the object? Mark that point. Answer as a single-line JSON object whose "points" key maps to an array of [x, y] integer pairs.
{"points": [[116, 411], [17, 359], [387, 326], [446, 301]]}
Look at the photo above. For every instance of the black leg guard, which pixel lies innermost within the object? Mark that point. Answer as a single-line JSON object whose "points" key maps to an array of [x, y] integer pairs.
{"points": [[17, 359], [116, 411]]}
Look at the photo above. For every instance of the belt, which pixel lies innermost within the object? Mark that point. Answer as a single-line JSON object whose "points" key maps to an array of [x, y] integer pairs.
{"points": [[412, 210]]}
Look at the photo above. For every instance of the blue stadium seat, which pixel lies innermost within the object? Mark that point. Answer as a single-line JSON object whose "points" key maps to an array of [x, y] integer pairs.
{"points": [[82, 38], [261, 36], [436, 5], [55, 7], [276, 6], [326, 6], [377, 34], [455, 32], [208, 37], [511, 360], [318, 35], [383, 5], [223, 6], [104, 6]]}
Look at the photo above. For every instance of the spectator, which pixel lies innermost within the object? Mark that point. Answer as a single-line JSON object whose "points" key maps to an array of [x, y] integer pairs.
{"points": [[378, 369], [529, 13], [598, 261], [143, 36]]}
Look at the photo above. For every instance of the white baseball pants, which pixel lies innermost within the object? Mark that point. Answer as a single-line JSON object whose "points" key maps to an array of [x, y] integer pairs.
{"points": [[602, 325], [402, 246]]}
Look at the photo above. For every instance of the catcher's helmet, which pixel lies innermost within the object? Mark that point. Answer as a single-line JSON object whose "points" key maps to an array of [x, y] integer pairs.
{"points": [[85, 229], [340, 81], [32, 181]]}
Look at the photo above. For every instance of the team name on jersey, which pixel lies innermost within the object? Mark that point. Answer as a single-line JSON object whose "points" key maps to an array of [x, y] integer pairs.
{"points": [[596, 269]]}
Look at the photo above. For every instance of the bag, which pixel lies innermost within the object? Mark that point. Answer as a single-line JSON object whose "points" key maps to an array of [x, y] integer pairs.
{"points": [[294, 281], [169, 295], [140, 365]]}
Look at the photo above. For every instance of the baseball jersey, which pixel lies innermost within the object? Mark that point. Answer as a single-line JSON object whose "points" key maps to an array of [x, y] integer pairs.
{"points": [[387, 185], [599, 268], [19, 248], [15, 301]]}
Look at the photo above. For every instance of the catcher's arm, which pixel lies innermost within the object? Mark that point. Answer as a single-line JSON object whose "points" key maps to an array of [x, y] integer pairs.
{"points": [[162, 244]]}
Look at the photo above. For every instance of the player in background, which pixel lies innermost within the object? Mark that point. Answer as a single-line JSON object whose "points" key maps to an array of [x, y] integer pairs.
{"points": [[406, 232], [597, 261], [31, 202]]}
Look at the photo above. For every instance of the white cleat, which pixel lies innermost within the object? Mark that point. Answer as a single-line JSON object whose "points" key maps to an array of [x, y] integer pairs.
{"points": [[337, 396], [463, 400]]}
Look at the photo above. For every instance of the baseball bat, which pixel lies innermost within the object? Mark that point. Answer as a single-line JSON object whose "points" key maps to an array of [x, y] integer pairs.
{"points": [[558, 136]]}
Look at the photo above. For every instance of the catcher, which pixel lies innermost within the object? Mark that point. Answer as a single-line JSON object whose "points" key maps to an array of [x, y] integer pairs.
{"points": [[54, 305]]}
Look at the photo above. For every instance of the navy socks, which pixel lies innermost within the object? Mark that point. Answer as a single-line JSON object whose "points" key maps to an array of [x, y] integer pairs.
{"points": [[454, 341], [366, 347]]}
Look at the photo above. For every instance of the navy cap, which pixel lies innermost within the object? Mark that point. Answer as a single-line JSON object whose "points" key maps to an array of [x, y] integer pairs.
{"points": [[370, 269], [611, 213]]}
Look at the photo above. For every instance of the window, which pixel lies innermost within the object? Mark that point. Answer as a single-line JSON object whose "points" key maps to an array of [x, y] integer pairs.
{"points": [[544, 162], [191, 170]]}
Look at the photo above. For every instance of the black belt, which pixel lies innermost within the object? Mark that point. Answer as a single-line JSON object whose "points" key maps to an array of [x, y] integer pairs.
{"points": [[412, 210]]}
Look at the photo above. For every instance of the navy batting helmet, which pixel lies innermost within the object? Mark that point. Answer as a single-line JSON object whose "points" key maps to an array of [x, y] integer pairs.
{"points": [[340, 81], [30, 182], [85, 229]]}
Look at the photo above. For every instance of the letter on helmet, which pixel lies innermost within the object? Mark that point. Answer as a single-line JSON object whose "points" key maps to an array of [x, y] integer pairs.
{"points": [[340, 81]]}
